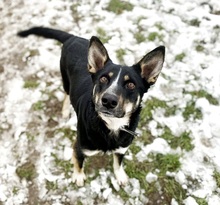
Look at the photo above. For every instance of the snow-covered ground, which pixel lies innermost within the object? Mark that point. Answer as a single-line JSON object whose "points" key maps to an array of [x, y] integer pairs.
{"points": [[35, 153]]}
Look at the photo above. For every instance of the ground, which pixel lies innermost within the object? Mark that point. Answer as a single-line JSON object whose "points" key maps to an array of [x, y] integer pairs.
{"points": [[176, 159]]}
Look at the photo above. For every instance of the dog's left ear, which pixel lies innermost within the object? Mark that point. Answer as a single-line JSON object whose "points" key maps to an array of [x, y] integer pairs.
{"points": [[97, 55], [151, 64]]}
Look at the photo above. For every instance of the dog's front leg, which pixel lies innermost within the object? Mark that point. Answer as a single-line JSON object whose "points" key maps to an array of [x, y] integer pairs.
{"points": [[66, 107], [78, 172], [119, 171]]}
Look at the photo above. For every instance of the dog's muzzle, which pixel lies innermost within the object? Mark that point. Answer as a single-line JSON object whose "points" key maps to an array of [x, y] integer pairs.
{"points": [[109, 106]]}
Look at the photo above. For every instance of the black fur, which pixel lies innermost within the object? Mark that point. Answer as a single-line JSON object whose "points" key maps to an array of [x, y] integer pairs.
{"points": [[47, 33]]}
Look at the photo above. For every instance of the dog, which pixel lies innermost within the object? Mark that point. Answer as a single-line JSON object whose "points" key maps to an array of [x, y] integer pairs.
{"points": [[105, 96]]}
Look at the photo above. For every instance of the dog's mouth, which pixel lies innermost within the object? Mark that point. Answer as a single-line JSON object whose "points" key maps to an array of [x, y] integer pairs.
{"points": [[107, 113], [110, 113]]}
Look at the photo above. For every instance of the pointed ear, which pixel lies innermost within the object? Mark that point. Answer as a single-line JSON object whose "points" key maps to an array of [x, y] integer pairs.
{"points": [[97, 55], [151, 64]]}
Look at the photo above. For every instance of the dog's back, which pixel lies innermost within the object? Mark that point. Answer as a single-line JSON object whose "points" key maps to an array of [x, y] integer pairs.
{"points": [[73, 65], [73, 62]]}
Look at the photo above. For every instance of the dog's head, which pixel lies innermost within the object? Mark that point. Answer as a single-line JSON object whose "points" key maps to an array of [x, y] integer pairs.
{"points": [[118, 90]]}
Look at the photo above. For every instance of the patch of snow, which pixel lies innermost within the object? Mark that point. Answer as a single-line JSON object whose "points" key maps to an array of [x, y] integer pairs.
{"points": [[151, 177], [174, 202], [67, 153], [106, 193], [190, 201], [159, 146]]}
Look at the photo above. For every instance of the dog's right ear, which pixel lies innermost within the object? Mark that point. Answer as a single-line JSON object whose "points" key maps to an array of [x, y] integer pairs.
{"points": [[151, 65], [97, 55]]}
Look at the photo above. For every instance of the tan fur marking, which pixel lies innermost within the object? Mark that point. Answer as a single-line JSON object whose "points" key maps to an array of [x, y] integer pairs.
{"points": [[91, 69], [153, 79], [110, 74], [121, 100], [78, 176], [126, 77], [66, 107]]}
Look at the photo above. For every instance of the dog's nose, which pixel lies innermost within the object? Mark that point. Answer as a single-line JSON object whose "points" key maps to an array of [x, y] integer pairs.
{"points": [[109, 101]]}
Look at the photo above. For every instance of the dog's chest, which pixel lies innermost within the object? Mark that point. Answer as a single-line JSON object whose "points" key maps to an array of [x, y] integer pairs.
{"points": [[114, 124], [107, 141]]}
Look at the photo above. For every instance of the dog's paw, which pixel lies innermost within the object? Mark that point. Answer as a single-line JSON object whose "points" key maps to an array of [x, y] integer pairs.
{"points": [[121, 177], [79, 178]]}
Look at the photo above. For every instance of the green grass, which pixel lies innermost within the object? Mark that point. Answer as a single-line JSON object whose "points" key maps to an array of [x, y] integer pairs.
{"points": [[204, 94], [31, 84], [118, 6], [140, 37], [134, 148], [146, 137], [200, 201], [139, 33], [159, 26], [216, 176], [169, 187], [40, 105], [154, 35], [195, 22], [200, 48], [183, 141], [65, 167], [30, 136], [192, 111], [159, 164], [67, 133], [15, 190], [168, 162], [103, 35], [79, 203], [180, 57], [51, 185], [150, 105], [163, 163], [120, 54], [123, 194], [74, 10], [26, 171], [172, 189]]}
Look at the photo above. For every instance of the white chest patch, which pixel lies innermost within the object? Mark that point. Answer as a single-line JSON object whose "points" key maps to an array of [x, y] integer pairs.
{"points": [[114, 123], [89, 153]]}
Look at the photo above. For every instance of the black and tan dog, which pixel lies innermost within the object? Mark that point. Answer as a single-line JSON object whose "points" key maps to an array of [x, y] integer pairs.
{"points": [[106, 96]]}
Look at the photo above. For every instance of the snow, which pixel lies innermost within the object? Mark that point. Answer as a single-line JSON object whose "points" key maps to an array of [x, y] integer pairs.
{"points": [[24, 131], [159, 146], [190, 201], [151, 177]]}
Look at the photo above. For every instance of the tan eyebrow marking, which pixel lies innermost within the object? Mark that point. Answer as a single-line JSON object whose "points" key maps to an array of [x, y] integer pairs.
{"points": [[111, 74], [126, 77]]}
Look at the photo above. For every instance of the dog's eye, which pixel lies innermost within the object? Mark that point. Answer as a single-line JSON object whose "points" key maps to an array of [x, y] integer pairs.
{"points": [[103, 79], [130, 86]]}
